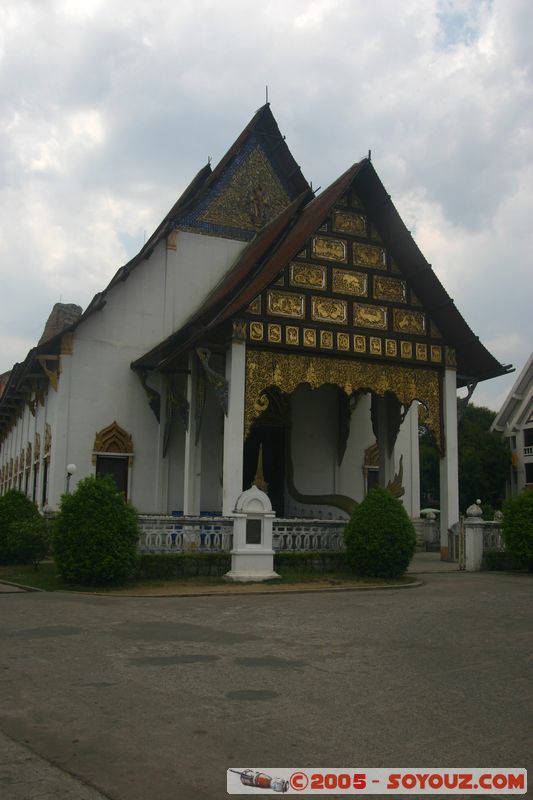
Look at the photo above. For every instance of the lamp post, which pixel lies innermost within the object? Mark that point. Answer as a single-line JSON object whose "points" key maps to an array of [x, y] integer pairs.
{"points": [[71, 469]]}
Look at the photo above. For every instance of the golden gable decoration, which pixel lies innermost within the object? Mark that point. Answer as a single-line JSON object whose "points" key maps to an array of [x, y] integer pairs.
{"points": [[286, 372], [113, 439], [253, 196]]}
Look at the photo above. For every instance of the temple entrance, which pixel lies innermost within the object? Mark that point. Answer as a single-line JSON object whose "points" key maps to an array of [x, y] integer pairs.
{"points": [[272, 439]]}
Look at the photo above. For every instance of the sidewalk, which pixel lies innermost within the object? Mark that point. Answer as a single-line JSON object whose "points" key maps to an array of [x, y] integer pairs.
{"points": [[424, 563], [26, 776]]}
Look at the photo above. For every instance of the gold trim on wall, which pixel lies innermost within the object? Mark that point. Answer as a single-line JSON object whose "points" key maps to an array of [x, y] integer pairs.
{"points": [[256, 331], [391, 289], [348, 222], [255, 306], [348, 282], [391, 347], [307, 276], [292, 335], [286, 371], [367, 316], [274, 334], [405, 321], [328, 309], [326, 340], [369, 255], [329, 248], [309, 337], [285, 304]]}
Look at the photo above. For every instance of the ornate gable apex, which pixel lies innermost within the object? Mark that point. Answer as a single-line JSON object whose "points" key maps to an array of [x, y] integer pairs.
{"points": [[253, 183], [343, 294]]}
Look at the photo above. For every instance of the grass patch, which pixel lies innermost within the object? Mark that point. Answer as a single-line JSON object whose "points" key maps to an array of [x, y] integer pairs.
{"points": [[46, 577]]}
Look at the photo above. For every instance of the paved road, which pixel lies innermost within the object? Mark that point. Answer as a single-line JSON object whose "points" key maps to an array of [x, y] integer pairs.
{"points": [[152, 699]]}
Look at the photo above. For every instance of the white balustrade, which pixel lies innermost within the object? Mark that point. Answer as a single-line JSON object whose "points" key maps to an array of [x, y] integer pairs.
{"points": [[165, 534]]}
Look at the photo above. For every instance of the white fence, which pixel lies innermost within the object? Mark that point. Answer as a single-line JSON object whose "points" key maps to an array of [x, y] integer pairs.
{"points": [[163, 534]]}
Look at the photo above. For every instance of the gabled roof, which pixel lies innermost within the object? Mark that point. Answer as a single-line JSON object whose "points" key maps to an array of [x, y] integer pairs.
{"points": [[280, 241], [255, 269], [265, 128], [513, 408]]}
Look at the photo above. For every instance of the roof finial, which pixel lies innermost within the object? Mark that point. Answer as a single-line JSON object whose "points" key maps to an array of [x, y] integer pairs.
{"points": [[266, 94], [370, 155]]}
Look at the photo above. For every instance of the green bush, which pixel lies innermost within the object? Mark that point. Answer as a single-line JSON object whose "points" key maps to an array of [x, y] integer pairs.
{"points": [[518, 528], [28, 541], [380, 537], [184, 565], [15, 507], [96, 534]]}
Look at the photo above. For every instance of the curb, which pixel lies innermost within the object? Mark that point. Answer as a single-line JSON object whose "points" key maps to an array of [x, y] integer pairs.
{"points": [[22, 586], [388, 587]]}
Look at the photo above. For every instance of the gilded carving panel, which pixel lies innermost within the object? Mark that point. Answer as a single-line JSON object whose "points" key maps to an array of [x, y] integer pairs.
{"points": [[326, 340], [367, 316], [253, 196], [343, 341], [390, 289], [309, 337], [359, 343], [327, 309], [274, 334], [391, 347], [436, 353], [347, 282], [292, 335], [375, 346], [405, 321], [348, 222], [256, 331], [421, 351], [286, 304], [369, 255], [255, 306], [406, 349], [329, 248], [286, 371], [308, 276]]}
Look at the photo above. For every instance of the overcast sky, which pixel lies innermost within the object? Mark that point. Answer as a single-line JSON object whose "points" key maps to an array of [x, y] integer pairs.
{"points": [[108, 109]]}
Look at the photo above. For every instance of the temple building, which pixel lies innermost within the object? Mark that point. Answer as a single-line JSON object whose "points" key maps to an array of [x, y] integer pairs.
{"points": [[262, 334]]}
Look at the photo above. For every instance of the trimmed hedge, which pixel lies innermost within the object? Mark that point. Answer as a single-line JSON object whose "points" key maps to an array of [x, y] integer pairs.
{"points": [[518, 528], [380, 537], [15, 509], [28, 541], [185, 565]]}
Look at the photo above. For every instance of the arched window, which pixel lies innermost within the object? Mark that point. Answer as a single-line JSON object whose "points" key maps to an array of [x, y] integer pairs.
{"points": [[113, 455]]}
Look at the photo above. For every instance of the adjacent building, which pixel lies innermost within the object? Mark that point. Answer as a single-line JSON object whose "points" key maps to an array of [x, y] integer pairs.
{"points": [[515, 422]]}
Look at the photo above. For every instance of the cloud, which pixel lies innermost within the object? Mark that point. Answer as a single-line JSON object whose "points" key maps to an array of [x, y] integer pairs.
{"points": [[109, 109]]}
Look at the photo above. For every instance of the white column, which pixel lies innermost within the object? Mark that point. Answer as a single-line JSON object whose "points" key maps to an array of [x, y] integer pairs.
{"points": [[386, 459], [449, 467], [59, 454], [232, 474], [192, 468], [412, 416], [161, 472]]}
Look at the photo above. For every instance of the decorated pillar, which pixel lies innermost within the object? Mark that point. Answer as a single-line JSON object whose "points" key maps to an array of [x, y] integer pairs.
{"points": [[449, 466], [232, 475], [192, 467]]}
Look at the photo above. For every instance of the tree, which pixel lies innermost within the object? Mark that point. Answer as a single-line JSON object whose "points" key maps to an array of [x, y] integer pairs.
{"points": [[484, 461]]}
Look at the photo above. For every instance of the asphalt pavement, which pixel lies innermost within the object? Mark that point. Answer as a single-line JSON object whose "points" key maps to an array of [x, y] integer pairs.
{"points": [[154, 698]]}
